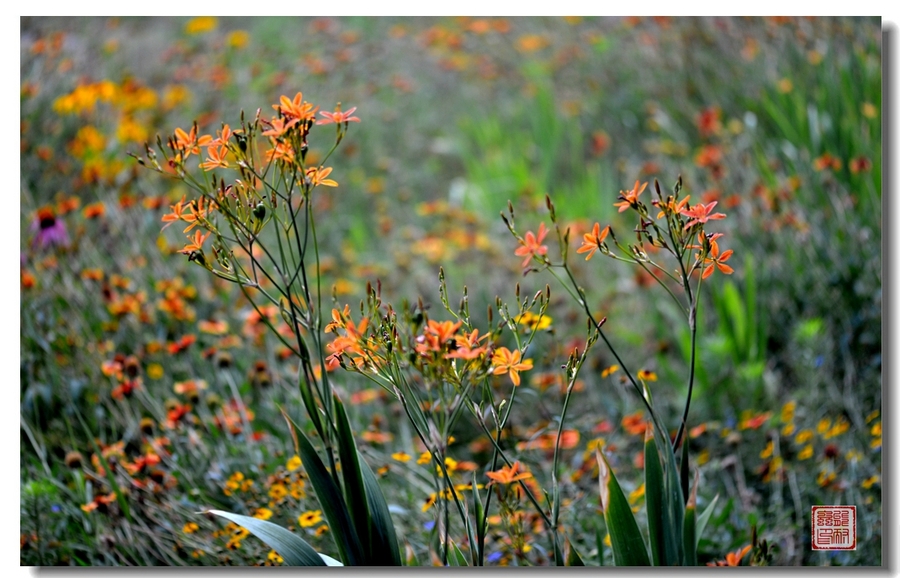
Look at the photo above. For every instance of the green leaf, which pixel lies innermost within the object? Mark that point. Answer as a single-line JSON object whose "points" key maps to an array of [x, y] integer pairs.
{"points": [[572, 557], [295, 550], [480, 519], [705, 516], [690, 525], [627, 543], [456, 557], [654, 492], [354, 489], [598, 535], [385, 548], [333, 505]]}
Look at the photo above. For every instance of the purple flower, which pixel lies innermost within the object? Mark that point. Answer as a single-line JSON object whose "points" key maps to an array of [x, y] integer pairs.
{"points": [[48, 230]]}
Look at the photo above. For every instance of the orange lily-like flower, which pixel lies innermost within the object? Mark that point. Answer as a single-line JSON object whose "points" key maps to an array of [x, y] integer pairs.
{"points": [[279, 126], [701, 213], [671, 206], [531, 246], [175, 215], [196, 243], [629, 198], [592, 240], [467, 347], [189, 143], [282, 152], [222, 138], [216, 158], [337, 116], [317, 176], [296, 108], [716, 261], [505, 361], [732, 558], [508, 475]]}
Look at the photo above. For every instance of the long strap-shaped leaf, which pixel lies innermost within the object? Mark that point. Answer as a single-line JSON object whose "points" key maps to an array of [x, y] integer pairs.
{"points": [[354, 489], [385, 548], [627, 543], [333, 505], [295, 550]]}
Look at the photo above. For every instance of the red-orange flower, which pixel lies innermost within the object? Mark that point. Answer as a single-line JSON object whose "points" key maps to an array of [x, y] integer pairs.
{"points": [[196, 243], [701, 213], [629, 198], [531, 246], [296, 108], [337, 116], [716, 261], [732, 558], [505, 361], [508, 475], [592, 241], [216, 158], [317, 176]]}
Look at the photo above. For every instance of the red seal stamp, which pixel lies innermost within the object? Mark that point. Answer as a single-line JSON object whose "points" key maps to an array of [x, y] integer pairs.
{"points": [[833, 527]]}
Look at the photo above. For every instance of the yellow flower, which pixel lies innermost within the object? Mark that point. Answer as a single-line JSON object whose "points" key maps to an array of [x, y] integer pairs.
{"points": [[787, 411], [277, 491], [533, 322], [310, 519], [294, 463], [823, 425], [262, 513], [609, 371], [869, 482], [154, 371], [274, 557], [646, 375], [788, 430], [238, 39], [767, 452], [201, 24], [876, 430], [190, 528], [401, 456], [424, 458], [803, 436], [805, 453]]}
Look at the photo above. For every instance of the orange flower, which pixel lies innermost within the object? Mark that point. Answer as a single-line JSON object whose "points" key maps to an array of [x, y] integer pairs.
{"points": [[216, 158], [634, 424], [196, 243], [189, 143], [714, 260], [732, 558], [296, 108], [592, 240], [176, 214], [700, 214], [505, 361], [508, 475], [629, 199], [531, 246], [337, 116], [279, 127], [317, 176]]}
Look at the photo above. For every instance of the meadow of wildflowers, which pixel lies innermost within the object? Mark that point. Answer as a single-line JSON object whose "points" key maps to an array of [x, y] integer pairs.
{"points": [[449, 291]]}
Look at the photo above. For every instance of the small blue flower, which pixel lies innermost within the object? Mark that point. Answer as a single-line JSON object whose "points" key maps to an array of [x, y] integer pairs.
{"points": [[429, 525], [494, 557]]}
